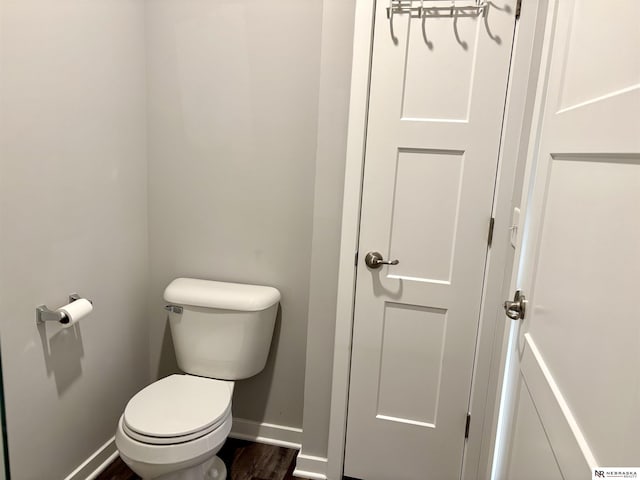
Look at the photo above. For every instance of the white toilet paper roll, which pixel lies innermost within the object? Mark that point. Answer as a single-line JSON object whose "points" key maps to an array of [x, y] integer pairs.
{"points": [[75, 311]]}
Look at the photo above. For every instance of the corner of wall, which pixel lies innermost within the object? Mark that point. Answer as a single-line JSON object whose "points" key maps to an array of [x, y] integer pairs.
{"points": [[311, 467], [335, 75]]}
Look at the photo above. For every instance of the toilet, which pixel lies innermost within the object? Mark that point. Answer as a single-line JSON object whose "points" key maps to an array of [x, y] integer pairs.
{"points": [[173, 428]]}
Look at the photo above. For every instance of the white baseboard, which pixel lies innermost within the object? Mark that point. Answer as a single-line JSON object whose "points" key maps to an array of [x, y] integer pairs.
{"points": [[268, 433], [96, 463], [308, 466]]}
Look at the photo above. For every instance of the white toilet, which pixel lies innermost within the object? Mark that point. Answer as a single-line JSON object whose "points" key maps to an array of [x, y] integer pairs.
{"points": [[172, 429]]}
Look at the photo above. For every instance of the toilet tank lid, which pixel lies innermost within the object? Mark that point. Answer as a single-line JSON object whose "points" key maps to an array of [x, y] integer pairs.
{"points": [[223, 295]]}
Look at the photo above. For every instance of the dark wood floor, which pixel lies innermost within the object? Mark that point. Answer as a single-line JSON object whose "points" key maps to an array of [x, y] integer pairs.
{"points": [[244, 461]]}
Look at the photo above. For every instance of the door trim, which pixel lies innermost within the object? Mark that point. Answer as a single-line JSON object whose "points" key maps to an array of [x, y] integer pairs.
{"points": [[490, 345], [356, 140], [514, 147]]}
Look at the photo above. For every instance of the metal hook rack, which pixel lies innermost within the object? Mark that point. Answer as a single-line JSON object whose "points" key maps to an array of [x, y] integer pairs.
{"points": [[45, 314], [420, 11], [404, 6]]}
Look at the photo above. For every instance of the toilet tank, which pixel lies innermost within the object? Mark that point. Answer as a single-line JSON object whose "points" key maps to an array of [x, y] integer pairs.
{"points": [[221, 330]]}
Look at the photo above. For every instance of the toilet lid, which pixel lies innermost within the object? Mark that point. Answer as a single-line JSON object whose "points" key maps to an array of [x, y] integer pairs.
{"points": [[178, 406]]}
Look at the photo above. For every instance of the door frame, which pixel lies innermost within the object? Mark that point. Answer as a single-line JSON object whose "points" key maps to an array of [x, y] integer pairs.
{"points": [[491, 341]]}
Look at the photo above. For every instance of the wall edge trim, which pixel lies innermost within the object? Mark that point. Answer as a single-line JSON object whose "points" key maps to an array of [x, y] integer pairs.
{"points": [[267, 433], [311, 467], [243, 429], [96, 463]]}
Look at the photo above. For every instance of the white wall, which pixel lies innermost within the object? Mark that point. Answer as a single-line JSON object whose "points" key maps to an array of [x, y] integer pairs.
{"points": [[232, 97], [73, 209], [335, 77], [237, 191]]}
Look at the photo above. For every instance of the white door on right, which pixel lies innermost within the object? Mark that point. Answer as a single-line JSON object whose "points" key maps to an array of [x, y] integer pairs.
{"points": [[577, 401]]}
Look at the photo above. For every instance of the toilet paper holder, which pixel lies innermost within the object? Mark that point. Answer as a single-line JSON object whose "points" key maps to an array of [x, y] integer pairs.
{"points": [[45, 314]]}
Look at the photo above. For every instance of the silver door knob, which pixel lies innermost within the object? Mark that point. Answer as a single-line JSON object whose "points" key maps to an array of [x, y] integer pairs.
{"points": [[375, 260], [516, 310]]}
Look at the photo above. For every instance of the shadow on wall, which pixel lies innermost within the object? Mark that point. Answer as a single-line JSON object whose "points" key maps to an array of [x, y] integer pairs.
{"points": [[63, 352], [167, 363], [262, 382], [259, 386]]}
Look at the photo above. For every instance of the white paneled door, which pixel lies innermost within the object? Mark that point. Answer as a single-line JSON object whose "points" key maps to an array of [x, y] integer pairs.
{"points": [[438, 85], [577, 388]]}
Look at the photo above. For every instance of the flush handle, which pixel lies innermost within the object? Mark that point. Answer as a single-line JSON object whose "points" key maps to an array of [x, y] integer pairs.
{"points": [[375, 260], [173, 308]]}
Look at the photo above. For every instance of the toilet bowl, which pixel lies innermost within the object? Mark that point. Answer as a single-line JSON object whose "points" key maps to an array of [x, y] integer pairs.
{"points": [[173, 428]]}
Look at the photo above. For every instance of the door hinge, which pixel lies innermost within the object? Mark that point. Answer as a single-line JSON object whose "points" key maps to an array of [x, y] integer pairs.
{"points": [[356, 259], [518, 8], [466, 428], [492, 221]]}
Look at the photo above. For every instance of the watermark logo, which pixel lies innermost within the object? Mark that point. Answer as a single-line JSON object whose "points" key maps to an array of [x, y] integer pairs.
{"points": [[616, 472]]}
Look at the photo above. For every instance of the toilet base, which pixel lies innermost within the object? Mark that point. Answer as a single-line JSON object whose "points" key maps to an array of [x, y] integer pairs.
{"points": [[212, 469]]}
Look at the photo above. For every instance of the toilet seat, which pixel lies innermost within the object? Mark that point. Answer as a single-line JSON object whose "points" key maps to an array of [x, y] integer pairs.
{"points": [[168, 458], [153, 440], [177, 409]]}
